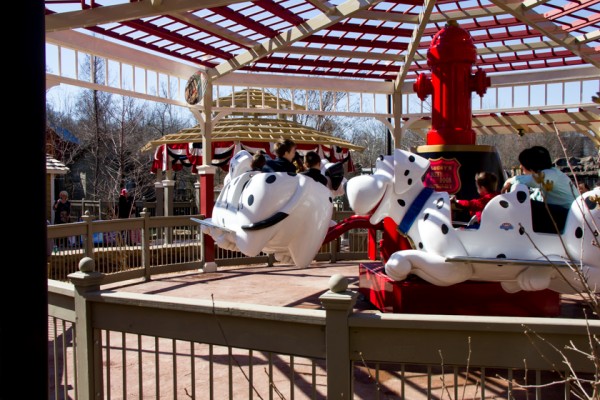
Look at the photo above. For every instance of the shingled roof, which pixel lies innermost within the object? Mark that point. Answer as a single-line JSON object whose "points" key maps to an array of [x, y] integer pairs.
{"points": [[53, 166]]}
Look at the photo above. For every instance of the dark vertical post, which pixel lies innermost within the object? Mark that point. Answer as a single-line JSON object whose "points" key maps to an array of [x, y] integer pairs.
{"points": [[29, 316]]}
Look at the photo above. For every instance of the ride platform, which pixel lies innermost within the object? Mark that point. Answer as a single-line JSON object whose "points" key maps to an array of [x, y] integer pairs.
{"points": [[416, 296]]}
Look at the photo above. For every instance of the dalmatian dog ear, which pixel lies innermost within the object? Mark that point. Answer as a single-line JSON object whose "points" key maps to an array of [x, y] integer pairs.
{"points": [[408, 170]]}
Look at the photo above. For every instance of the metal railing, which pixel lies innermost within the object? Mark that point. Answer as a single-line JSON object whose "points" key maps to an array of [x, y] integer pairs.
{"points": [[110, 344]]}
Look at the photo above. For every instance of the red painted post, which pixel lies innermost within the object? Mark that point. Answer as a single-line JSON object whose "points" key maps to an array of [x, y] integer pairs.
{"points": [[372, 245], [207, 202]]}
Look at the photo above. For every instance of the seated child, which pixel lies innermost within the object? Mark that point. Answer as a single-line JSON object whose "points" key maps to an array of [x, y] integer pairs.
{"points": [[486, 183], [258, 161], [285, 149], [551, 191], [312, 162]]}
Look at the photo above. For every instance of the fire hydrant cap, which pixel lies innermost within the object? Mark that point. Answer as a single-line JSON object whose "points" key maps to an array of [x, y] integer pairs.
{"points": [[452, 44]]}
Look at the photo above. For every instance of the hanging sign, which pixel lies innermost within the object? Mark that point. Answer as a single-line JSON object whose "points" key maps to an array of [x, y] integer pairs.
{"points": [[194, 88], [443, 174]]}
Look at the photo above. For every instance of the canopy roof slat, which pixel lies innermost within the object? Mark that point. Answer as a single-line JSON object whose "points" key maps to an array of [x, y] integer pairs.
{"points": [[312, 38]]}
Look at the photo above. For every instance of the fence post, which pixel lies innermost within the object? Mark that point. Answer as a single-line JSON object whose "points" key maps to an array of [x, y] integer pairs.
{"points": [[334, 249], [338, 303], [89, 236], [88, 341], [146, 243]]}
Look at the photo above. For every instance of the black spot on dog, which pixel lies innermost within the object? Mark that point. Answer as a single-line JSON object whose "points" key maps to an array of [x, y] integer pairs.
{"points": [[381, 157], [439, 203], [409, 181], [250, 199], [420, 245], [425, 216], [291, 173], [578, 232], [271, 178], [401, 202], [521, 231], [504, 204], [331, 200], [406, 172], [590, 204], [501, 255], [444, 229], [521, 196], [411, 158]]}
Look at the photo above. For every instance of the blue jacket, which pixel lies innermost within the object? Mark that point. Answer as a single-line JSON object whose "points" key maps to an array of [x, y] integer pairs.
{"points": [[279, 165]]}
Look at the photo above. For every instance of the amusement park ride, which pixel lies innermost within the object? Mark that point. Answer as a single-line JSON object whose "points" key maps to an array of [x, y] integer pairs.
{"points": [[431, 262]]}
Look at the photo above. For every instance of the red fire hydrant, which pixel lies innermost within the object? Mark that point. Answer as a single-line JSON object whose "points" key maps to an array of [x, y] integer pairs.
{"points": [[450, 57]]}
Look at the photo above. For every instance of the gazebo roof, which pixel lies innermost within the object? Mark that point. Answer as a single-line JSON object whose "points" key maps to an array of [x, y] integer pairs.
{"points": [[254, 98], [254, 130]]}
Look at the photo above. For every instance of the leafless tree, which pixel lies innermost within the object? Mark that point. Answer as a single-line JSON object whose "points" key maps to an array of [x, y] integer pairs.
{"points": [[165, 118], [371, 135], [316, 100], [110, 131], [93, 120]]}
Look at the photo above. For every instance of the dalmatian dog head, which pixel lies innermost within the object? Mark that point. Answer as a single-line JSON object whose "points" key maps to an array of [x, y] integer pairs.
{"points": [[394, 175]]}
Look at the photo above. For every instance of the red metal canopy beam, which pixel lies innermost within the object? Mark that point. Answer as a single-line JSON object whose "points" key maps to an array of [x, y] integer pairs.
{"points": [[162, 50], [175, 38], [227, 13]]}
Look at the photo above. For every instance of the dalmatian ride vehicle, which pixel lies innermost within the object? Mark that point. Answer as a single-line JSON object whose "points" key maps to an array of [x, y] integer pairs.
{"points": [[504, 248]]}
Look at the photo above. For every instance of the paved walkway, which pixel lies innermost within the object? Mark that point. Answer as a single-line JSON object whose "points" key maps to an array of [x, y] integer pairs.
{"points": [[279, 285]]}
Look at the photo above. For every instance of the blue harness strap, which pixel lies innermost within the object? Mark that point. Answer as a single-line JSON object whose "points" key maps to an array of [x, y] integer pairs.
{"points": [[414, 210]]}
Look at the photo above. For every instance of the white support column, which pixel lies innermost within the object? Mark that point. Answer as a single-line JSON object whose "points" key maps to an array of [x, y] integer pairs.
{"points": [[159, 192], [197, 195], [397, 113], [169, 193]]}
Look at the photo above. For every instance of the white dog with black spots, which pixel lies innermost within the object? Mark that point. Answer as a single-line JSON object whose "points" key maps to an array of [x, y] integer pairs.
{"points": [[503, 249]]}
